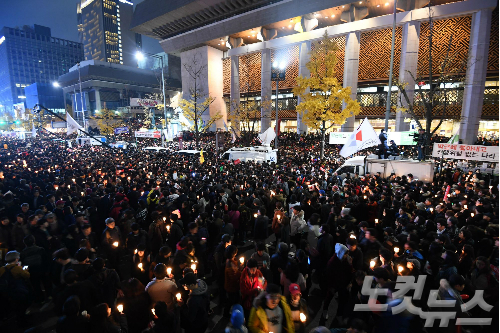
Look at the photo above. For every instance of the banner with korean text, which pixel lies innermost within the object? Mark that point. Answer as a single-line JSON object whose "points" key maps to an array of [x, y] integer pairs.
{"points": [[466, 152], [152, 134]]}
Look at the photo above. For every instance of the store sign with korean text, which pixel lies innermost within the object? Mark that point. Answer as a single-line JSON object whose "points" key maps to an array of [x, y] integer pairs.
{"points": [[465, 152]]}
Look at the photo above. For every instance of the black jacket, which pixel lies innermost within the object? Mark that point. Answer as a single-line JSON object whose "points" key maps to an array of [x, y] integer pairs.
{"points": [[261, 228]]}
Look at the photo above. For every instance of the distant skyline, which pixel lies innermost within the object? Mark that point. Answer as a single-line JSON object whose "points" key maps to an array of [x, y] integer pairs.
{"points": [[58, 15]]}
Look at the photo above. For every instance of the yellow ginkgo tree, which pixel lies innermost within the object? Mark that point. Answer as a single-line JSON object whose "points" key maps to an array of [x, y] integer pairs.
{"points": [[322, 95]]}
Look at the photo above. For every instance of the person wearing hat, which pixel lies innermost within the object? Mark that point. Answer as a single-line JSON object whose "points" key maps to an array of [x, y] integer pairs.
{"points": [[298, 306], [17, 293], [195, 310], [236, 325], [270, 312]]}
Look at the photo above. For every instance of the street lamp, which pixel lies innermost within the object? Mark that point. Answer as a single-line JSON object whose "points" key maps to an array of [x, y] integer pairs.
{"points": [[389, 92], [277, 75], [141, 56]]}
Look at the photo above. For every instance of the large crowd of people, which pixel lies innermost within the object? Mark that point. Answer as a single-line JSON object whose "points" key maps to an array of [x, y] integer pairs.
{"points": [[132, 241]]}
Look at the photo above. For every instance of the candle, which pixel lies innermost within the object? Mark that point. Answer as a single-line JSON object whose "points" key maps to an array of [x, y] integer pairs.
{"points": [[400, 268], [472, 214], [73, 180], [120, 308], [135, 251], [193, 267], [140, 266], [432, 209], [372, 263], [242, 260], [153, 312], [376, 221], [302, 317], [396, 249], [82, 193], [178, 296], [168, 227], [364, 197], [169, 271], [465, 206], [352, 236], [278, 217], [115, 244], [255, 215], [164, 218]]}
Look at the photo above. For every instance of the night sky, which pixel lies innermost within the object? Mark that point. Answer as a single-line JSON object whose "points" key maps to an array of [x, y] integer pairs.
{"points": [[58, 15]]}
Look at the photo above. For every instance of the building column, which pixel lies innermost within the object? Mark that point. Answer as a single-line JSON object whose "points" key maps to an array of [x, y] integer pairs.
{"points": [[98, 106], [265, 90], [208, 62], [235, 88], [351, 65], [475, 78], [304, 58], [408, 64]]}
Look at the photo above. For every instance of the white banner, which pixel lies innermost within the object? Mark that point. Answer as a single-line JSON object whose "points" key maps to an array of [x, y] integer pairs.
{"points": [[152, 134], [466, 152], [339, 138]]}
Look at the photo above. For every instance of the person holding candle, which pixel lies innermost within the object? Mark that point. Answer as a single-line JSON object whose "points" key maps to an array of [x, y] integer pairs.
{"points": [[298, 307], [251, 282], [277, 222], [271, 313], [195, 310], [339, 273], [111, 242], [162, 288], [140, 262], [232, 275]]}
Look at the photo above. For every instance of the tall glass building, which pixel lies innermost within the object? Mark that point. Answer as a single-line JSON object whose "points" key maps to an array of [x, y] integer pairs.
{"points": [[30, 55], [104, 30]]}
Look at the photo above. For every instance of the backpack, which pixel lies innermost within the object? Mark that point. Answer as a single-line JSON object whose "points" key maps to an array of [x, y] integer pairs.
{"points": [[13, 288]]}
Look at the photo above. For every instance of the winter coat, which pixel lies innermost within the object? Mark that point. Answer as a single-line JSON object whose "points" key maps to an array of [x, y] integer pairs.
{"points": [[297, 223], [338, 273], [232, 277], [257, 322], [197, 306], [249, 287]]}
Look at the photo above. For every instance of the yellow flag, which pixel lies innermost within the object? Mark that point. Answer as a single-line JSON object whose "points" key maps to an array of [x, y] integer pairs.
{"points": [[202, 159]]}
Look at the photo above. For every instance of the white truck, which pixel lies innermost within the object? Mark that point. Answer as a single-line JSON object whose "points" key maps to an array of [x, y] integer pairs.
{"points": [[257, 154], [362, 165]]}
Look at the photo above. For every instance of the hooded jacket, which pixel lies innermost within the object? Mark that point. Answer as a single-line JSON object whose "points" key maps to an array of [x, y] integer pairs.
{"points": [[257, 322], [198, 305]]}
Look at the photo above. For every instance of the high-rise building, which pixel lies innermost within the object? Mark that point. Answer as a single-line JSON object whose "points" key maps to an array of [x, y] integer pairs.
{"points": [[28, 55], [104, 30]]}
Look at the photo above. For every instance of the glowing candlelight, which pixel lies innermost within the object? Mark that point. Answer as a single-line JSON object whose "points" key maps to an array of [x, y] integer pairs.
{"points": [[472, 214], [169, 271], [242, 260], [168, 227], [396, 249], [400, 268], [193, 267], [140, 266], [120, 308], [352, 236], [255, 215], [135, 251], [178, 296], [278, 217], [302, 317], [372, 263], [376, 221], [153, 312], [115, 244], [164, 218], [465, 206]]}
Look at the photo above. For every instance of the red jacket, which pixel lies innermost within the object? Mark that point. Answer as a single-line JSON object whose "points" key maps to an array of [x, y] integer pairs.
{"points": [[249, 287]]}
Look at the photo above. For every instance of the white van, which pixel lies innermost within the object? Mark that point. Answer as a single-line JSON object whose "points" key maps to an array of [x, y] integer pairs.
{"points": [[258, 154]]}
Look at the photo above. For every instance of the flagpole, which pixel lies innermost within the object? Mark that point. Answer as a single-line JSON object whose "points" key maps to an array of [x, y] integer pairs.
{"points": [[38, 107]]}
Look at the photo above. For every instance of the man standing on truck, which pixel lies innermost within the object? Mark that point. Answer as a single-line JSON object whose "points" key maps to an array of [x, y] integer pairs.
{"points": [[421, 141]]}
